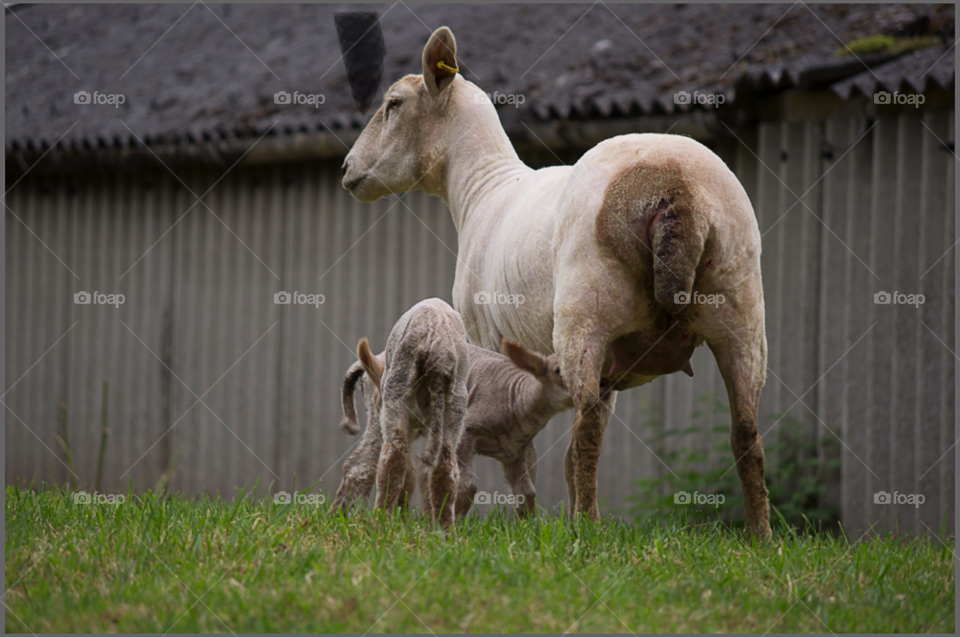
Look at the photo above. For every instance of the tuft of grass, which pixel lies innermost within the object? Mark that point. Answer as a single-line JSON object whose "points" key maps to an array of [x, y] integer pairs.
{"points": [[882, 43], [160, 563]]}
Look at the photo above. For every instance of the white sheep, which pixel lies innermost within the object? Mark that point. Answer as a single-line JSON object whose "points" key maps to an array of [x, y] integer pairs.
{"points": [[511, 399], [645, 248]]}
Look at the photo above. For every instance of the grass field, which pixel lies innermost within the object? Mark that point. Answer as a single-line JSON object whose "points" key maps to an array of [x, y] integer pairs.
{"points": [[175, 564]]}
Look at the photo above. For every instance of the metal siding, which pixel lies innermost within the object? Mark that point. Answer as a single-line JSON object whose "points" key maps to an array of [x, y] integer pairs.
{"points": [[855, 476], [835, 300], [927, 441], [199, 300], [880, 387], [947, 462], [769, 210], [906, 327]]}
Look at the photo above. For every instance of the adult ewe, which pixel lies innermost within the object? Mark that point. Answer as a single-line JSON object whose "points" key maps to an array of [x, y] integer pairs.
{"points": [[607, 254]]}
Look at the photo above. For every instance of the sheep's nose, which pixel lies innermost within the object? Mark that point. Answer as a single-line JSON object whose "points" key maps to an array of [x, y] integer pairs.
{"points": [[343, 169]]}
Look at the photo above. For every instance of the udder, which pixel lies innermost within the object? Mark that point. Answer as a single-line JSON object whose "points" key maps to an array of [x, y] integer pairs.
{"points": [[641, 356]]}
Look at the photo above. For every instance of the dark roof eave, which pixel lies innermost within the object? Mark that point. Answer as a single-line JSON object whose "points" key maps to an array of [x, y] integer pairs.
{"points": [[554, 135], [249, 151]]}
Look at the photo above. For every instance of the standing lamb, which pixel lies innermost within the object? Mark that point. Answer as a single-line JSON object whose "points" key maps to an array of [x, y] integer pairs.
{"points": [[608, 253], [420, 389], [511, 398]]}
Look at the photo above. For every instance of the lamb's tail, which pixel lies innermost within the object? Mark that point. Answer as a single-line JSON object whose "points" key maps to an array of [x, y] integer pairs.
{"points": [[371, 365], [649, 222], [349, 423]]}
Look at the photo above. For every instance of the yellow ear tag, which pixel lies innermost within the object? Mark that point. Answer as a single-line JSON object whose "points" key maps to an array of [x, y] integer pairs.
{"points": [[446, 67]]}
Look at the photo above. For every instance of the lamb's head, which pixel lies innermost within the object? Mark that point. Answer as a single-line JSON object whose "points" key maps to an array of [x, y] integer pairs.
{"points": [[553, 393], [404, 145]]}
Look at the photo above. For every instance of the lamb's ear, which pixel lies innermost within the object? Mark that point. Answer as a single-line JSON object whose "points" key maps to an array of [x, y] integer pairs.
{"points": [[371, 364], [524, 358], [440, 61]]}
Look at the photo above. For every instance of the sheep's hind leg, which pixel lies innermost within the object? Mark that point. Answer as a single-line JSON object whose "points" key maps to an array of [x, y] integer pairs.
{"points": [[392, 468], [409, 484], [742, 362], [444, 429], [581, 361]]}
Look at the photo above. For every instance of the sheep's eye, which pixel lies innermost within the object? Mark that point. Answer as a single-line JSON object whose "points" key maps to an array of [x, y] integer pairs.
{"points": [[393, 104], [557, 371]]}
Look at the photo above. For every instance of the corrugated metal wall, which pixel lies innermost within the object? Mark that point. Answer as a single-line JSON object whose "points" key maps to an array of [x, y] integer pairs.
{"points": [[208, 375]]}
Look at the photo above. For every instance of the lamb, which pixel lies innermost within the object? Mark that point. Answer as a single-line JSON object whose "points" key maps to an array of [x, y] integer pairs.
{"points": [[614, 255], [511, 399], [420, 388]]}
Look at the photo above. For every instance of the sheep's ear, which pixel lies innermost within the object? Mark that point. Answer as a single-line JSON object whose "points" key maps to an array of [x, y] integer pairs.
{"points": [[440, 61], [371, 364], [524, 358]]}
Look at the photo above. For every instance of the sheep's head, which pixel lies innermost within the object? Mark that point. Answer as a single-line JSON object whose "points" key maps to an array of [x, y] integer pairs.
{"points": [[402, 146], [546, 369]]}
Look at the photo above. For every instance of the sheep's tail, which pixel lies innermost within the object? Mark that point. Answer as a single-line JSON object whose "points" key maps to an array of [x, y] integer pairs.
{"points": [[373, 367], [349, 423], [648, 220], [371, 364], [678, 246]]}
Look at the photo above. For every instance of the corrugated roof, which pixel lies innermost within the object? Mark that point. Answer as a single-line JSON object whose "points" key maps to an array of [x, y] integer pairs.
{"points": [[196, 72]]}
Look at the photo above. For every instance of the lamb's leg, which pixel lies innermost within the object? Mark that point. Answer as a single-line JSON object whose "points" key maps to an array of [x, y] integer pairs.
{"points": [[392, 468], [360, 469], [532, 462], [568, 476], [467, 485], [409, 484], [517, 474], [445, 424], [741, 357], [423, 479]]}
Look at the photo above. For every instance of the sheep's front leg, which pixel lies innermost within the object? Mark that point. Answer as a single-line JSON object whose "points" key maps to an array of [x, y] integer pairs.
{"points": [[520, 474]]}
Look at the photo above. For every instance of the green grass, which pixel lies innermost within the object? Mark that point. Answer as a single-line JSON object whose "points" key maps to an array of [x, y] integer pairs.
{"points": [[204, 564]]}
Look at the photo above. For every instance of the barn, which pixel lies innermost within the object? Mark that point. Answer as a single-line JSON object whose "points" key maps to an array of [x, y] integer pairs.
{"points": [[151, 166]]}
